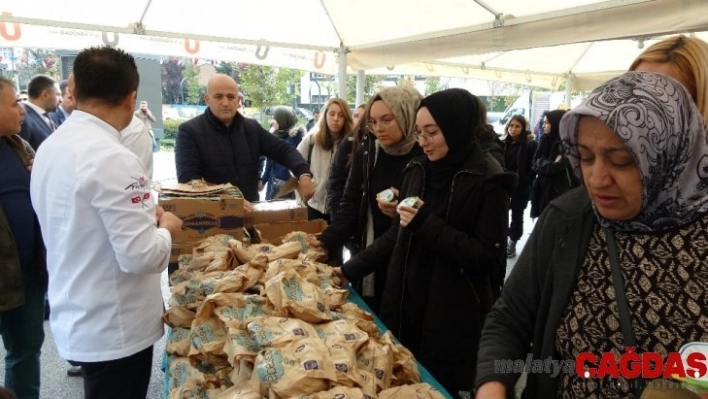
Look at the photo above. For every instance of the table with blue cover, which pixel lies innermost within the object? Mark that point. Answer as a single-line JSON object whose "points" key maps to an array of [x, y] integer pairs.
{"points": [[354, 298]]}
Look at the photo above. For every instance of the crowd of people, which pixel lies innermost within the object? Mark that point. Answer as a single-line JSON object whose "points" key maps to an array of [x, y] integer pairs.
{"points": [[426, 200]]}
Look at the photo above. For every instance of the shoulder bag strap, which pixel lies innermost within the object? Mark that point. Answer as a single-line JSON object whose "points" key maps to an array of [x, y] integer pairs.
{"points": [[637, 385]]}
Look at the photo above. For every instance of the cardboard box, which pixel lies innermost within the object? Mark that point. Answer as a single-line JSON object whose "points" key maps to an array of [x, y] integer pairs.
{"points": [[275, 211], [273, 232], [204, 216]]}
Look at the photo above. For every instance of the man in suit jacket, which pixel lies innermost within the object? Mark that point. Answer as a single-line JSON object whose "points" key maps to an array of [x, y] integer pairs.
{"points": [[66, 106], [44, 96], [22, 264]]}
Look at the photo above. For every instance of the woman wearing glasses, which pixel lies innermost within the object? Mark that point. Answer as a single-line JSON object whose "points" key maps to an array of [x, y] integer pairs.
{"points": [[377, 165], [444, 256]]}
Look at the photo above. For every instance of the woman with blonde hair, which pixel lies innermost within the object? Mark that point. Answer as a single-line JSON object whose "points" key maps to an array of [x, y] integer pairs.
{"points": [[319, 147], [684, 59]]}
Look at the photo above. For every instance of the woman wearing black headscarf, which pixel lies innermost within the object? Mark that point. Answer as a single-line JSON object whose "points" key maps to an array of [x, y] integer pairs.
{"points": [[555, 175], [275, 174], [445, 256]]}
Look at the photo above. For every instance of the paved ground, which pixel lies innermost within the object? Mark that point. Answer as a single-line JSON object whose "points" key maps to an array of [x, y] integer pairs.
{"points": [[57, 385]]}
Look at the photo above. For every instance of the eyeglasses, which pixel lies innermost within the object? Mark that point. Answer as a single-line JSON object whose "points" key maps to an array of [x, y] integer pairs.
{"points": [[383, 124], [426, 137]]}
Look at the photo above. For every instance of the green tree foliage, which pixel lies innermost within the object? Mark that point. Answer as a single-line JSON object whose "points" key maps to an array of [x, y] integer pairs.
{"points": [[432, 85], [265, 85], [37, 62], [258, 84], [230, 68], [170, 127], [372, 84], [496, 102], [192, 89], [288, 82], [172, 70]]}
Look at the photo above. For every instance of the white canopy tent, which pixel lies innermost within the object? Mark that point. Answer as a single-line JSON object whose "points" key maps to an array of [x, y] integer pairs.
{"points": [[540, 42], [586, 65]]}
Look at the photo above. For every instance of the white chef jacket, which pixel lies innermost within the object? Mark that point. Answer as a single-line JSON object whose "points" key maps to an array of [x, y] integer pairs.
{"points": [[136, 137], [105, 252]]}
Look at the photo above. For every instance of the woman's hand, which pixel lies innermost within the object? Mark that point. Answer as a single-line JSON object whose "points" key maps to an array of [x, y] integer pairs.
{"points": [[319, 245], [491, 390], [342, 278], [407, 213], [389, 208]]}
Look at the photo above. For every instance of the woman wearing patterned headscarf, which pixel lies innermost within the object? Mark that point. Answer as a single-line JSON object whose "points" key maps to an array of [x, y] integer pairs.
{"points": [[445, 256], [640, 223], [377, 165]]}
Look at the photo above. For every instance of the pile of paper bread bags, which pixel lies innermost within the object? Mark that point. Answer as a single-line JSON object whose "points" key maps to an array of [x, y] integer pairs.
{"points": [[261, 321]]}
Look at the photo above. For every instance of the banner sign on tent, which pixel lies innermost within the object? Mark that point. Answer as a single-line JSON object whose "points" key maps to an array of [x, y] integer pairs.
{"points": [[21, 35]]}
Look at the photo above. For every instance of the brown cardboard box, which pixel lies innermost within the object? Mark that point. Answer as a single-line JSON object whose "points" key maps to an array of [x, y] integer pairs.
{"points": [[275, 211], [273, 232], [204, 216]]}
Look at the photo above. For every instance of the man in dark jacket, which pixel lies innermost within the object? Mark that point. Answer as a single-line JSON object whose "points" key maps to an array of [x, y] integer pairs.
{"points": [[65, 107], [44, 96], [22, 267], [221, 146]]}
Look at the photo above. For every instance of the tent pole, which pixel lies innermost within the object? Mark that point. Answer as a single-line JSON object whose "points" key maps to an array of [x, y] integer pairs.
{"points": [[568, 88], [360, 87], [342, 76], [147, 6]]}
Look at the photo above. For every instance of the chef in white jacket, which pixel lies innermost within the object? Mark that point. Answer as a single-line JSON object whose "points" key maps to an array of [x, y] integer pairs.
{"points": [[107, 243]]}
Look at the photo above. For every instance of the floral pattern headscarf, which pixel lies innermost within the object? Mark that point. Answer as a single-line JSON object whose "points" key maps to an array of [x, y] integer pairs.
{"points": [[661, 126]]}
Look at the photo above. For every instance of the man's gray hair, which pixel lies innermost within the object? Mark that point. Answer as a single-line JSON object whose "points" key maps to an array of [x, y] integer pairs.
{"points": [[5, 82]]}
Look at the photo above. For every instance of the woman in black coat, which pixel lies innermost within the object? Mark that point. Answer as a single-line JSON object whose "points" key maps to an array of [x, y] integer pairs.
{"points": [[555, 175], [519, 150], [341, 165], [378, 163], [445, 256]]}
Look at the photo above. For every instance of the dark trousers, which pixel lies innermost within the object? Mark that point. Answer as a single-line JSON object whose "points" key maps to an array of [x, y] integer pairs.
{"points": [[22, 331], [516, 226], [128, 377]]}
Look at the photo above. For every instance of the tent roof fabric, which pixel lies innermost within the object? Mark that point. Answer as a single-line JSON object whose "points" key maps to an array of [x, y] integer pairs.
{"points": [[532, 42]]}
